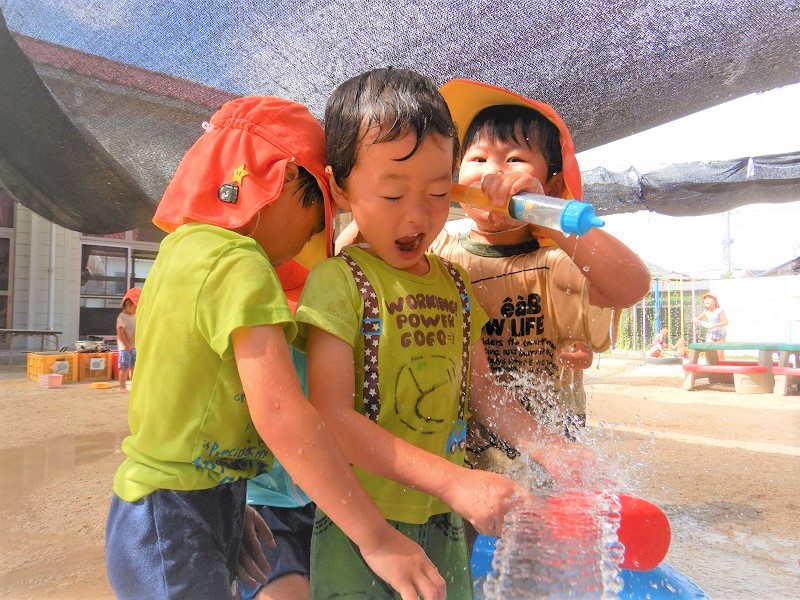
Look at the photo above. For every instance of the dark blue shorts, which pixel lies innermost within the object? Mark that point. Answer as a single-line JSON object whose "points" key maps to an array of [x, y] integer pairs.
{"points": [[175, 544], [291, 528]]}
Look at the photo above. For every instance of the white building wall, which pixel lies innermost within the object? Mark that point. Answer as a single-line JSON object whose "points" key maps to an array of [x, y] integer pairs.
{"points": [[32, 279], [760, 309]]}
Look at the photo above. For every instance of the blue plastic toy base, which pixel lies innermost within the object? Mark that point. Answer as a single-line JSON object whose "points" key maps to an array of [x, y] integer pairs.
{"points": [[663, 582]]}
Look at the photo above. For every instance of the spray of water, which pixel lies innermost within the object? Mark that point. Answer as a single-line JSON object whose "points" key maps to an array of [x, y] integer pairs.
{"points": [[558, 541]]}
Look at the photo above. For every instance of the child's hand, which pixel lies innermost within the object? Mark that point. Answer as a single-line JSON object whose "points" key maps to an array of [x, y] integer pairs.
{"points": [[403, 565], [483, 498], [568, 463], [252, 567], [501, 186], [578, 357]]}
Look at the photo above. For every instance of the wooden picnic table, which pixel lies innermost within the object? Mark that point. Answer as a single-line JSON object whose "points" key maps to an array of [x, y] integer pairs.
{"points": [[766, 352], [42, 334]]}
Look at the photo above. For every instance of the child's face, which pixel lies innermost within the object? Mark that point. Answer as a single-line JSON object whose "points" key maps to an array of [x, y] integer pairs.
{"points": [[485, 157], [284, 226], [400, 206], [709, 302], [130, 308]]}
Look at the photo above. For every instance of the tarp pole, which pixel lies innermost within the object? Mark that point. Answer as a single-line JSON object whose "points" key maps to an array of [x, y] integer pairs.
{"points": [[680, 295], [669, 308], [694, 325], [644, 319], [657, 306]]}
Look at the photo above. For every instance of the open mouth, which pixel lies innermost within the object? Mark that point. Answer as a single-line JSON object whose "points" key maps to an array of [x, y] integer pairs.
{"points": [[409, 243]]}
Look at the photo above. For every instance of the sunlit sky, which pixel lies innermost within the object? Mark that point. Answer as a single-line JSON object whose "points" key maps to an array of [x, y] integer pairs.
{"points": [[763, 235]]}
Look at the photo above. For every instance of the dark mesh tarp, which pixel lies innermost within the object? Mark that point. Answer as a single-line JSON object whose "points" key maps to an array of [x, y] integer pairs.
{"points": [[695, 188], [138, 77]]}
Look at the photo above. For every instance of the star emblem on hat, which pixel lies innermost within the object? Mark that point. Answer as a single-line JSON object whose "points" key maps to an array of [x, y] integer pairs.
{"points": [[239, 173]]}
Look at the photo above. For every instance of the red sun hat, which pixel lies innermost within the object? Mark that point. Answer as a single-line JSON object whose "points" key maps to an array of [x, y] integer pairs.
{"points": [[237, 167], [467, 98]]}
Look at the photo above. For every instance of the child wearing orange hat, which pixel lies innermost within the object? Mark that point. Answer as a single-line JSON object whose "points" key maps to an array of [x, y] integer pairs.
{"points": [[543, 291], [216, 395], [126, 337]]}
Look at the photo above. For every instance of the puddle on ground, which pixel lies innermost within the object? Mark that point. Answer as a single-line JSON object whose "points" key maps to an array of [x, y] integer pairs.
{"points": [[23, 469]]}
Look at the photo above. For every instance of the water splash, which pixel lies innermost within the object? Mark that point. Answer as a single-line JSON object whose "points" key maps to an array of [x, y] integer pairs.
{"points": [[558, 545], [558, 542]]}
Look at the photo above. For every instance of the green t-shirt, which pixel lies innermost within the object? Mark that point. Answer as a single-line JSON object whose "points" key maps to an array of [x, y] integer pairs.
{"points": [[190, 424], [419, 360]]}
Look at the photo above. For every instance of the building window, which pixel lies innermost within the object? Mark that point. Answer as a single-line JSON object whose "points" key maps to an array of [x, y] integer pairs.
{"points": [[110, 265]]}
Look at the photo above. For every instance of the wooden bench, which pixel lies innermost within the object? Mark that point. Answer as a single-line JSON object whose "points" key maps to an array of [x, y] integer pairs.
{"points": [[747, 378], [784, 377]]}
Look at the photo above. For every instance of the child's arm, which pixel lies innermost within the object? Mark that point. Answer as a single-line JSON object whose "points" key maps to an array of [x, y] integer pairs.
{"points": [[298, 437], [499, 412], [481, 497], [617, 275], [121, 335]]}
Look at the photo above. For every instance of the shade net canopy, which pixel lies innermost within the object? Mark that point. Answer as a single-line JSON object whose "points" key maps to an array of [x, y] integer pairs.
{"points": [[100, 98]]}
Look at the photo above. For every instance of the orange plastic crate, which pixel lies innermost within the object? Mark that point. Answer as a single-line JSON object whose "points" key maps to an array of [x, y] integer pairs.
{"points": [[46, 363], [94, 366]]}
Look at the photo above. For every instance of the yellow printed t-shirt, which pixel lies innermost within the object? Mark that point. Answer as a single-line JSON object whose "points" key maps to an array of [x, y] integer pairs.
{"points": [[189, 421], [419, 360]]}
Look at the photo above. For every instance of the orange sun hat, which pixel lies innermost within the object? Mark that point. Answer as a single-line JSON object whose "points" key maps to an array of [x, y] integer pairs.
{"points": [[237, 167], [467, 98], [132, 295]]}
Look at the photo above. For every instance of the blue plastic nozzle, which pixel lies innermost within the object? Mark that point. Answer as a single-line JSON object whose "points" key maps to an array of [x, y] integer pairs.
{"points": [[578, 218]]}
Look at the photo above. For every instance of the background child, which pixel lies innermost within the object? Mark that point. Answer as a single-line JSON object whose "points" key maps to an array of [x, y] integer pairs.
{"points": [[393, 338], [660, 344], [215, 377], [126, 337], [715, 321], [536, 284]]}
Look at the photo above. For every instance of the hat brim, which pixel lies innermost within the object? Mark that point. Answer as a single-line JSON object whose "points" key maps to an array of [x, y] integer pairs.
{"points": [[467, 98]]}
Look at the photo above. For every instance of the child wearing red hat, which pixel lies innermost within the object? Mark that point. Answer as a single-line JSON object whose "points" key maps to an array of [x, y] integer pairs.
{"points": [[216, 394], [126, 337]]}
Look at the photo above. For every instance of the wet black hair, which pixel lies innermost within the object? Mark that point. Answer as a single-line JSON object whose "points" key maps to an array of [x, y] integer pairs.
{"points": [[509, 123], [393, 100], [308, 186]]}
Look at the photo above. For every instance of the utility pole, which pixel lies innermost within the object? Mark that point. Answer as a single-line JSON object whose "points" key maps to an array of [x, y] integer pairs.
{"points": [[726, 245]]}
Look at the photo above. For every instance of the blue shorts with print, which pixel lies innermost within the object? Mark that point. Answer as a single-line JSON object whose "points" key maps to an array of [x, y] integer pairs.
{"points": [[127, 359], [173, 544]]}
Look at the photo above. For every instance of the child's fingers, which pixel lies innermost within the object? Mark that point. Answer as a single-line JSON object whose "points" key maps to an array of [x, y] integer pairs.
{"points": [[249, 573], [429, 586]]}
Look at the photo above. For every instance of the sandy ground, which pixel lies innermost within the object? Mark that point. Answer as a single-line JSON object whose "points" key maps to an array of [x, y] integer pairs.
{"points": [[724, 467]]}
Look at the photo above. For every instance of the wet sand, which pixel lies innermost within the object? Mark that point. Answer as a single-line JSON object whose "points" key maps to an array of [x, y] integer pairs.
{"points": [[724, 467]]}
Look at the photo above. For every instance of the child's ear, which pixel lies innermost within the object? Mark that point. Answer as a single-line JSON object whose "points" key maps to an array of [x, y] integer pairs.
{"points": [[291, 173], [338, 194], [555, 185]]}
